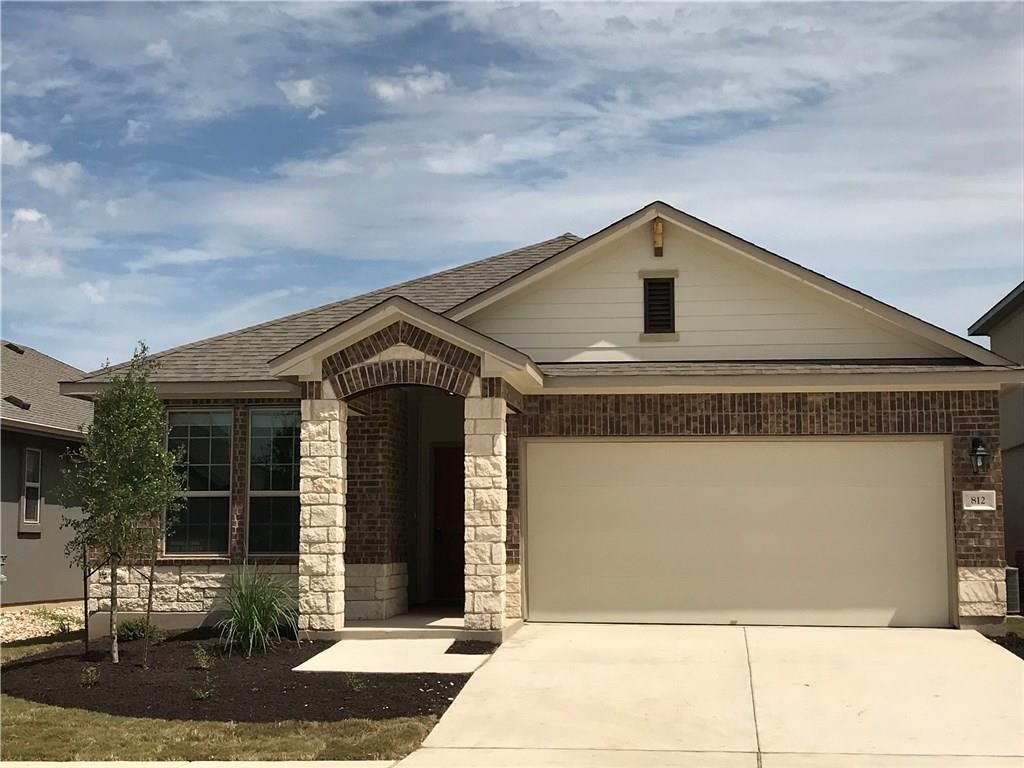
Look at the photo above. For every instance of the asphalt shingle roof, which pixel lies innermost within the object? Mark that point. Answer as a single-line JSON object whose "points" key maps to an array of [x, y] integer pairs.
{"points": [[243, 355], [33, 378]]}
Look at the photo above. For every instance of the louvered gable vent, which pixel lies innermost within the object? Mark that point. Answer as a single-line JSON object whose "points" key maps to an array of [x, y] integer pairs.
{"points": [[659, 305]]}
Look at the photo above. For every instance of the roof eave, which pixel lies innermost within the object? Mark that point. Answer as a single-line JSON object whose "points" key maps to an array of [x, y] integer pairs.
{"points": [[87, 390], [1011, 302], [42, 430], [984, 379]]}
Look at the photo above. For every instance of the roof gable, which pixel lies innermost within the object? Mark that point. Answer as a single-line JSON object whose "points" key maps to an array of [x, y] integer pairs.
{"points": [[1010, 303], [931, 340]]}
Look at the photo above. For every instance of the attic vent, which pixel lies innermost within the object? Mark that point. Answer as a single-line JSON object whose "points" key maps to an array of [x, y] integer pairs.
{"points": [[659, 305], [14, 347], [17, 401]]}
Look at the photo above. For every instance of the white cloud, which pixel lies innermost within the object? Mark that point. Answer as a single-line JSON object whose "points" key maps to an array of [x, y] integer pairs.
{"points": [[208, 252], [61, 178], [112, 208], [307, 93], [414, 82], [95, 291], [135, 132], [161, 49], [29, 217], [18, 152], [315, 113]]}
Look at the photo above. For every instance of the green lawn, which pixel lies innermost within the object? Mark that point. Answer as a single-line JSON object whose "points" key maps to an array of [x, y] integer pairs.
{"points": [[38, 732], [1015, 624]]}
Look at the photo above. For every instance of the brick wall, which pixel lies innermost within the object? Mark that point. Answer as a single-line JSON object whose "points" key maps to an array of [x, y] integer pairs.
{"points": [[376, 514], [962, 415]]}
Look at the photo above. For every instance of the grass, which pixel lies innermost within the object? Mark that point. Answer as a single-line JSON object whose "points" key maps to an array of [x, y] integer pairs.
{"points": [[1015, 625], [39, 732]]}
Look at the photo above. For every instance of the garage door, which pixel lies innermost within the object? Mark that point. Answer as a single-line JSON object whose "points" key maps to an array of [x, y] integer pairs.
{"points": [[847, 533]]}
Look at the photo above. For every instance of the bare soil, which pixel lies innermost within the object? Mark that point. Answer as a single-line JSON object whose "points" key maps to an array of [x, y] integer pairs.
{"points": [[260, 689]]}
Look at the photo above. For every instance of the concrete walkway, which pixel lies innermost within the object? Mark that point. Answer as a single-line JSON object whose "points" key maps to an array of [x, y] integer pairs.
{"points": [[393, 656], [612, 696]]}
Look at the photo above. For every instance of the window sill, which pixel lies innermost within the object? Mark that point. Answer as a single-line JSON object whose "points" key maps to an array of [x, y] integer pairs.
{"points": [[658, 337]]}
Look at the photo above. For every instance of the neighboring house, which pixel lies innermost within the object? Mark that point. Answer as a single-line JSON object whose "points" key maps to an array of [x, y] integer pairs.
{"points": [[657, 423], [1004, 325], [37, 425]]}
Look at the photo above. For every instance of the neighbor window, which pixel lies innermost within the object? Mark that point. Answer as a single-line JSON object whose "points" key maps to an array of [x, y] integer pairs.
{"points": [[274, 481], [30, 497], [659, 305], [204, 439]]}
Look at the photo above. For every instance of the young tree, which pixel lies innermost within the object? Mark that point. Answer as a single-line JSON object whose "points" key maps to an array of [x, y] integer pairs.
{"points": [[124, 479]]}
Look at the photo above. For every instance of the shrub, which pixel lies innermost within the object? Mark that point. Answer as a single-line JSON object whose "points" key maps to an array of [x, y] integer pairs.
{"points": [[136, 629], [89, 676], [205, 689], [202, 658], [259, 607]]}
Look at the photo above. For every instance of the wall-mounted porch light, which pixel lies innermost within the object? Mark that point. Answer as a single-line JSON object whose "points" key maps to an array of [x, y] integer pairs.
{"points": [[980, 456]]}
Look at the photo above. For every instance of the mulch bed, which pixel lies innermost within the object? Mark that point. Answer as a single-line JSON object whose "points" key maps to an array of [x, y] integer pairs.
{"points": [[472, 647], [260, 689], [1013, 643]]}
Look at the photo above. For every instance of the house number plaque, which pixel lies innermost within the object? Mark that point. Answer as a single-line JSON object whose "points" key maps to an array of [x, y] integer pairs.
{"points": [[979, 500]]}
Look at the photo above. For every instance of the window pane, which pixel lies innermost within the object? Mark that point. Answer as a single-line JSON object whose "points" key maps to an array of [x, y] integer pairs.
{"points": [[199, 451], [281, 478], [198, 478], [259, 451], [32, 459], [220, 477], [259, 478], [220, 451], [274, 524], [201, 528], [31, 504]]}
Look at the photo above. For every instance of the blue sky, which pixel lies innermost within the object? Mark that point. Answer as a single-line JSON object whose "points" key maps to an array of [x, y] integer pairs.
{"points": [[172, 171]]}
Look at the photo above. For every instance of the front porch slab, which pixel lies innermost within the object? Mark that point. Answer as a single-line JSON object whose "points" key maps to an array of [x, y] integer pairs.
{"points": [[393, 656]]}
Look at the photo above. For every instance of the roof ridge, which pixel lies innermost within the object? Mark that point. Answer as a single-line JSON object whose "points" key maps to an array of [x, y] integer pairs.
{"points": [[333, 304], [27, 348]]}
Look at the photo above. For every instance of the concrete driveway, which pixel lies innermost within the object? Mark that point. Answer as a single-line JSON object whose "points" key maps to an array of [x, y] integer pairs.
{"points": [[735, 697]]}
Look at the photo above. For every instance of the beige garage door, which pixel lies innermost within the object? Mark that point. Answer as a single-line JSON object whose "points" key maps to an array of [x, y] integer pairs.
{"points": [[848, 533]]}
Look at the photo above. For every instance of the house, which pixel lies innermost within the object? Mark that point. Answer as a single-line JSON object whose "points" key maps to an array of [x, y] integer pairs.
{"points": [[660, 422], [37, 426], [1004, 325]]}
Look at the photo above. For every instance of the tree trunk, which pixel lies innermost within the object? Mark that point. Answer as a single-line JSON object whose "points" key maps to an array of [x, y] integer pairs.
{"points": [[85, 595], [149, 603], [114, 655]]}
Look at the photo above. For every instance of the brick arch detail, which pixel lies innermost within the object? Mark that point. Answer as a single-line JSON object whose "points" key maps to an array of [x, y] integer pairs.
{"points": [[359, 368]]}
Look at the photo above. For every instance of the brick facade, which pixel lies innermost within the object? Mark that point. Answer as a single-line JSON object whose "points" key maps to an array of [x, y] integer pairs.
{"points": [[377, 512], [961, 415], [423, 359]]}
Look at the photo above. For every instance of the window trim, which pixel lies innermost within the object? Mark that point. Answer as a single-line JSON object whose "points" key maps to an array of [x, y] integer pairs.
{"points": [[671, 281], [38, 485], [250, 493], [206, 494]]}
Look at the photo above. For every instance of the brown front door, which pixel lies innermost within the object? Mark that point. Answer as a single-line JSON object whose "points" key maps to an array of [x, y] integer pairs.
{"points": [[449, 523]]}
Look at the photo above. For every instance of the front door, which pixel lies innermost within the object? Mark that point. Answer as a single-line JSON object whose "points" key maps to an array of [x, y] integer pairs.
{"points": [[449, 523]]}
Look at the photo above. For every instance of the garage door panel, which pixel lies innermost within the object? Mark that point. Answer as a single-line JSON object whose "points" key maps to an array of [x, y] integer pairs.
{"points": [[804, 532]]}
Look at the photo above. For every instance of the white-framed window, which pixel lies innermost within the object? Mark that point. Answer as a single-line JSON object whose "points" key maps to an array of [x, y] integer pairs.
{"points": [[31, 494], [273, 481], [204, 439]]}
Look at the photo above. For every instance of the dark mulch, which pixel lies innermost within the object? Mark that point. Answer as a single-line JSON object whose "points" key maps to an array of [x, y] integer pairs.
{"points": [[1013, 643], [260, 689], [473, 647]]}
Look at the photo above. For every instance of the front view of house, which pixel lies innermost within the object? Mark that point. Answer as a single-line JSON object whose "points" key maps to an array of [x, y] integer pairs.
{"points": [[657, 423]]}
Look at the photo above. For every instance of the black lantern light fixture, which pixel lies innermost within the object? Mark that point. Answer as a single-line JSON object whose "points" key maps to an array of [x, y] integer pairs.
{"points": [[980, 456]]}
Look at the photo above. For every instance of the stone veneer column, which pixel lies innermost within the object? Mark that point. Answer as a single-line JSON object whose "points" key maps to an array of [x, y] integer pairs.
{"points": [[981, 594], [486, 509], [322, 489]]}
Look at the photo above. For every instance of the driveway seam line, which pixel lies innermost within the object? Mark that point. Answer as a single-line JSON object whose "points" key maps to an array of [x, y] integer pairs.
{"points": [[753, 703]]}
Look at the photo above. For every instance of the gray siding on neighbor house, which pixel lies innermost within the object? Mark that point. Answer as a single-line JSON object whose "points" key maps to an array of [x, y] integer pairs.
{"points": [[35, 567]]}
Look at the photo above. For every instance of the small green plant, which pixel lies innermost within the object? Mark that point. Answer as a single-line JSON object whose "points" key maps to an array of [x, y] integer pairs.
{"points": [[132, 629], [259, 607], [136, 628], [205, 689], [60, 623], [202, 658], [89, 676]]}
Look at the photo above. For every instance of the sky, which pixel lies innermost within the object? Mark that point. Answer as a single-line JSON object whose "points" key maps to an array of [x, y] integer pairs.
{"points": [[173, 171]]}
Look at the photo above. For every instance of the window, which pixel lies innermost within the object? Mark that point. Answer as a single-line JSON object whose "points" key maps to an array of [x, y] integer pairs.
{"points": [[204, 439], [659, 305], [30, 497], [274, 481]]}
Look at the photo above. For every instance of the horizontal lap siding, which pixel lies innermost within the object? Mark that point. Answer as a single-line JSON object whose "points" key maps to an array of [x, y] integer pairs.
{"points": [[961, 415]]}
